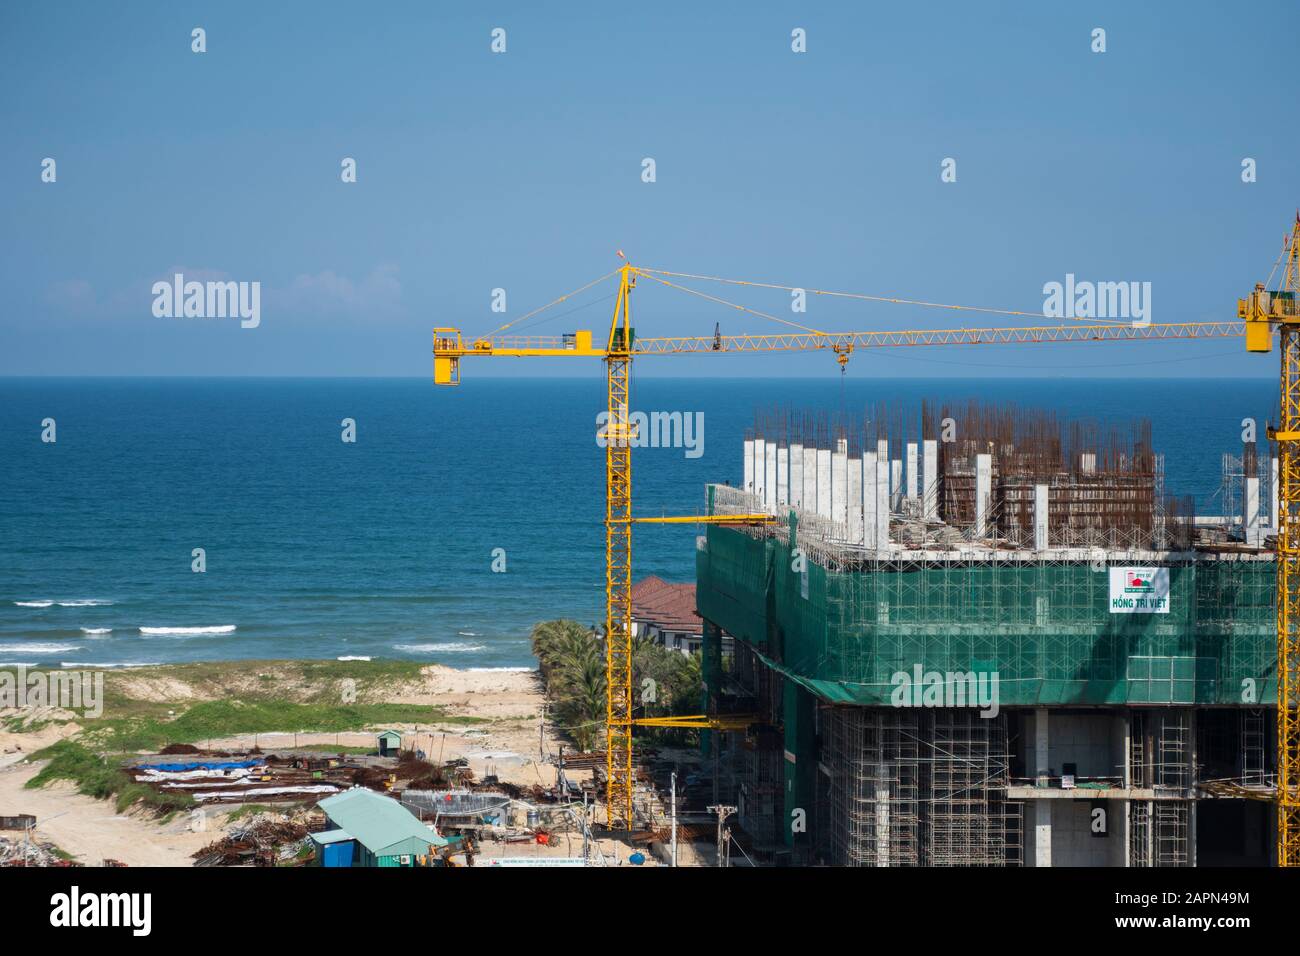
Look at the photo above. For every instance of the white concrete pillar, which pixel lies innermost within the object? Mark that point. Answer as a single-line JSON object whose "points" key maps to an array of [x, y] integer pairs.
{"points": [[1273, 516], [1042, 746], [824, 482], [896, 485], [760, 471], [1088, 462], [1042, 807], [1040, 517], [796, 476], [882, 494], [770, 475], [855, 499], [930, 499], [1043, 832], [748, 481], [911, 470], [782, 476], [868, 465], [1250, 511], [810, 479], [839, 485], [983, 493]]}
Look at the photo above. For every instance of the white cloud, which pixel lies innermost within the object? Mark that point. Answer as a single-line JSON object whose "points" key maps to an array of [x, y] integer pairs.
{"points": [[328, 293]]}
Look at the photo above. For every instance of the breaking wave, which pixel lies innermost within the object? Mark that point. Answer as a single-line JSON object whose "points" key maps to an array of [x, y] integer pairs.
{"points": [[434, 648], [39, 647]]}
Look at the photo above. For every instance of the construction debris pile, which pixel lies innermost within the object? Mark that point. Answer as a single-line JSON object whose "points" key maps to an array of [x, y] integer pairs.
{"points": [[267, 840], [263, 779], [23, 851]]}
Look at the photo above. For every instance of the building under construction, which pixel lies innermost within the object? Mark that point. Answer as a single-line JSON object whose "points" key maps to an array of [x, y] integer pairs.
{"points": [[983, 636]]}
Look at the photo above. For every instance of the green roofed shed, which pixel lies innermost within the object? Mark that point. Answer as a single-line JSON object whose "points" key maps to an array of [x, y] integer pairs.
{"points": [[386, 832]]}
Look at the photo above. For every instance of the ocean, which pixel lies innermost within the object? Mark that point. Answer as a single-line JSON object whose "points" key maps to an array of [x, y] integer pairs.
{"points": [[385, 547]]}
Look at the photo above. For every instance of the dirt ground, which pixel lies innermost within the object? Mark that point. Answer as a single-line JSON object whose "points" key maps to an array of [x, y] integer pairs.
{"points": [[508, 744], [90, 830]]}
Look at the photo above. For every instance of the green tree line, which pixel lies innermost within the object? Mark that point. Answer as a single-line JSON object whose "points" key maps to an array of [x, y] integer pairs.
{"points": [[571, 659]]}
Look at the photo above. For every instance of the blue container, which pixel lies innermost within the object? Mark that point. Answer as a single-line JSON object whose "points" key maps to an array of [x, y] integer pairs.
{"points": [[338, 854]]}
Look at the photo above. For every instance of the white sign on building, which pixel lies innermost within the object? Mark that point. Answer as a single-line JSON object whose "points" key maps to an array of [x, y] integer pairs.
{"points": [[1139, 590]]}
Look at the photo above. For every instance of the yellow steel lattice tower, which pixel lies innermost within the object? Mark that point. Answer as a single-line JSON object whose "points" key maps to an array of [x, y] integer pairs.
{"points": [[618, 561], [1265, 310]]}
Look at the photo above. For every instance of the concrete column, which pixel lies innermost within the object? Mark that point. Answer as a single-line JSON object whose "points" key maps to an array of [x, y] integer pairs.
{"points": [[983, 493], [1273, 516], [1040, 517], [1250, 511], [882, 816], [782, 476], [824, 482], [810, 479], [911, 470], [930, 498], [747, 483], [796, 476], [1088, 462], [839, 485], [1042, 807], [855, 499], [869, 498], [896, 485], [882, 494], [770, 475], [1043, 832], [760, 472], [1042, 746]]}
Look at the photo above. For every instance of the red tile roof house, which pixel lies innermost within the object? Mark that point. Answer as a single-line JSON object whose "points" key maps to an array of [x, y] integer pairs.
{"points": [[665, 612]]}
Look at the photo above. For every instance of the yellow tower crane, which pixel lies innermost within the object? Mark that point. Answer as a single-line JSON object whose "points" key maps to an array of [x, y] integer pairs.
{"points": [[1265, 311], [622, 346]]}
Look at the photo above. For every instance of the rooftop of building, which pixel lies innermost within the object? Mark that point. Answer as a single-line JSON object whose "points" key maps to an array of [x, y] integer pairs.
{"points": [[380, 824], [982, 483], [666, 605]]}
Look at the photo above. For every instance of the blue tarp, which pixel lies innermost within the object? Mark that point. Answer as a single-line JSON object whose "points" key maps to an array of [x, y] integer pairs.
{"points": [[201, 765]]}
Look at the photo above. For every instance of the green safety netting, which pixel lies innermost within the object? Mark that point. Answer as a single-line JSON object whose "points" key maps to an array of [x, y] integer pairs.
{"points": [[1045, 629]]}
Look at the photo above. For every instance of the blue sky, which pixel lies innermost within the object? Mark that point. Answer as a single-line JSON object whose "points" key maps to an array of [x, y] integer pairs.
{"points": [[523, 171]]}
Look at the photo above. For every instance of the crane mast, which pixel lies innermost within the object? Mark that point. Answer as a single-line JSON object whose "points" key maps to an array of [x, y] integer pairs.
{"points": [[1264, 311], [618, 560]]}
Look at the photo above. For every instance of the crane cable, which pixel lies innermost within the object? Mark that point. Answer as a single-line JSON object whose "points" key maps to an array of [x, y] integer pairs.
{"points": [[732, 305], [857, 295], [567, 295]]}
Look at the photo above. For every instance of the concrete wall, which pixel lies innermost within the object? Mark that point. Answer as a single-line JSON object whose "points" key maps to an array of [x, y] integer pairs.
{"points": [[1073, 842]]}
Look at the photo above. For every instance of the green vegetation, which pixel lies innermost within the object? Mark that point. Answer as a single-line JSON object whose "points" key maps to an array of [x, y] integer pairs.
{"points": [[147, 708], [252, 809], [572, 664], [215, 719], [96, 777]]}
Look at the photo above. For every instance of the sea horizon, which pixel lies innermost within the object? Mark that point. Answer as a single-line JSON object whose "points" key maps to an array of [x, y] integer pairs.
{"points": [[455, 521]]}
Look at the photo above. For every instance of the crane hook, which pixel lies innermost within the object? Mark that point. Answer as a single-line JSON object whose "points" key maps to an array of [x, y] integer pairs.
{"points": [[842, 352]]}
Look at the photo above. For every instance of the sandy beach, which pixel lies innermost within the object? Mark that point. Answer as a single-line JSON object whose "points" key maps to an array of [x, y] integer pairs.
{"points": [[492, 720]]}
